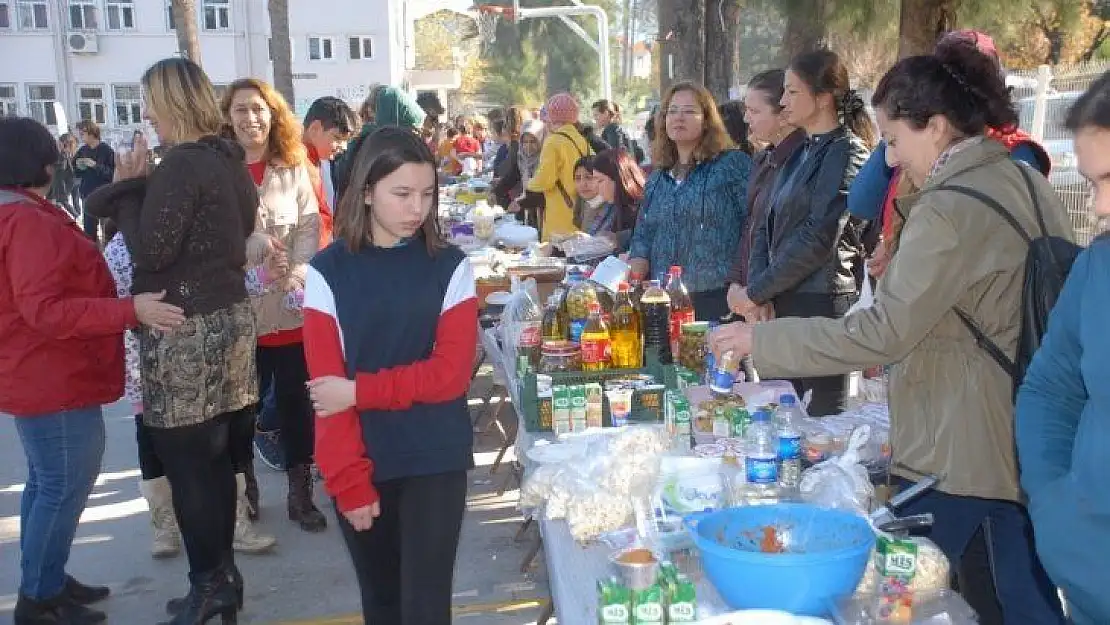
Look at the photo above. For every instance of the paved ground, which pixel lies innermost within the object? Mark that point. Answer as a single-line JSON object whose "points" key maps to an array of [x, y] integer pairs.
{"points": [[307, 581]]}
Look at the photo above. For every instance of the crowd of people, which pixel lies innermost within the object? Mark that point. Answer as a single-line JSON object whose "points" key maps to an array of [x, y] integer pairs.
{"points": [[279, 286]]}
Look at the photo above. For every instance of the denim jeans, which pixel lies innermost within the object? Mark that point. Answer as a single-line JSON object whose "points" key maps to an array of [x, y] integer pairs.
{"points": [[268, 420], [1024, 590], [63, 451]]}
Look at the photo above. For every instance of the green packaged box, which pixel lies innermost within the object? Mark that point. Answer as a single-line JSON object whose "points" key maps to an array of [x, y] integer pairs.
{"points": [[577, 408], [560, 410], [648, 607], [687, 378], [614, 603], [595, 405], [739, 418], [682, 602]]}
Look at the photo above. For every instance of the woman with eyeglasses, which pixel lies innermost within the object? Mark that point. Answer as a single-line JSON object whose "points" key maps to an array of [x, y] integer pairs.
{"points": [[695, 201]]}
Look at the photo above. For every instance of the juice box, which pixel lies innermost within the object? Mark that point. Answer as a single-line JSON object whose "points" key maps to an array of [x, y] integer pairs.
{"points": [[682, 603], [577, 408], [560, 410], [614, 603], [648, 607], [595, 405], [739, 418]]}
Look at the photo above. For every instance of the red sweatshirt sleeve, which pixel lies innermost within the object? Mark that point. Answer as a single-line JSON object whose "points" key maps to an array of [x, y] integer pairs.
{"points": [[326, 216], [340, 450], [445, 375], [39, 279]]}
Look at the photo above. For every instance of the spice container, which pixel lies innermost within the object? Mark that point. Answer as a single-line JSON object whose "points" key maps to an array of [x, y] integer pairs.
{"points": [[560, 357], [639, 567], [693, 346]]}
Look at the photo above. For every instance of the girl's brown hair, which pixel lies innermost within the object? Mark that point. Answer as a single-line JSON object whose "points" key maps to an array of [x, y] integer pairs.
{"points": [[284, 143], [618, 166], [383, 153], [514, 121], [714, 138], [180, 95]]}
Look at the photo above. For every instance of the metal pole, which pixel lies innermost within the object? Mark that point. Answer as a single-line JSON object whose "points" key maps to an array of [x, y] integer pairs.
{"points": [[1040, 106], [602, 34]]}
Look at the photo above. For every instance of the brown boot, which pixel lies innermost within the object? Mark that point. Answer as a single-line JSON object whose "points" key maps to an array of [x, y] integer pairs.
{"points": [[301, 508]]}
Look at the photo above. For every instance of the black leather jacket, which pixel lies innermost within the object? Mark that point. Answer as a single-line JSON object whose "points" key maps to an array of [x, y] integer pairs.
{"points": [[808, 242]]}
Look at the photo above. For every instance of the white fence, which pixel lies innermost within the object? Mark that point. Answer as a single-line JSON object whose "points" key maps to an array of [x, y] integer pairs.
{"points": [[1043, 97]]}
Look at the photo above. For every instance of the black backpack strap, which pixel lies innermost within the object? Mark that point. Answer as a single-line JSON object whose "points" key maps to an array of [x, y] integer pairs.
{"points": [[981, 339]]}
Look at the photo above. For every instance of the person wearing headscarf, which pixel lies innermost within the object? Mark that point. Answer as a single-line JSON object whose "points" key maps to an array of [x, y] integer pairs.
{"points": [[392, 107], [523, 165]]}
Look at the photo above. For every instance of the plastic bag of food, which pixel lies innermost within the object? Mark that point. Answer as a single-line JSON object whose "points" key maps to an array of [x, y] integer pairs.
{"points": [[931, 568], [593, 511], [841, 482]]}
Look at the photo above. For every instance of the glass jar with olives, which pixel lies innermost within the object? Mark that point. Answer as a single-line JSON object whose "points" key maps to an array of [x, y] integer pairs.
{"points": [[693, 346]]}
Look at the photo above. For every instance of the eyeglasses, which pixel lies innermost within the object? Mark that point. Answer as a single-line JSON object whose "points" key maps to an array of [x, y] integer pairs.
{"points": [[684, 112]]}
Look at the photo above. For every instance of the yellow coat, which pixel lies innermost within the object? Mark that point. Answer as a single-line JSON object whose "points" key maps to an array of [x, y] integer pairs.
{"points": [[561, 150]]}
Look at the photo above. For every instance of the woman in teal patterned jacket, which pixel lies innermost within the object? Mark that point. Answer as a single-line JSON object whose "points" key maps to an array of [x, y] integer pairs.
{"points": [[695, 200]]}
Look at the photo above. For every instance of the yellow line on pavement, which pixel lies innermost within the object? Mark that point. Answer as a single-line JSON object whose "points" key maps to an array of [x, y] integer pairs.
{"points": [[459, 610]]}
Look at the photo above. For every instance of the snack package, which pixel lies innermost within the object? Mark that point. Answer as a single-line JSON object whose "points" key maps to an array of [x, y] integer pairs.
{"points": [[592, 511], [841, 482], [931, 568]]}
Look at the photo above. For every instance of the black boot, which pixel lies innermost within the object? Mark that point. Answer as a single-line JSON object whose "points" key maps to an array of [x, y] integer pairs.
{"points": [[210, 594], [60, 610], [301, 507], [173, 606], [83, 594]]}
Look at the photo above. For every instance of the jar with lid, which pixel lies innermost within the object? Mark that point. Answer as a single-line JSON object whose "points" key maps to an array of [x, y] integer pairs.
{"points": [[560, 357], [693, 345]]}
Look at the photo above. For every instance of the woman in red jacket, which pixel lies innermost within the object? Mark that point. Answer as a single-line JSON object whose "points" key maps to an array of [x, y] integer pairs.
{"points": [[61, 359]]}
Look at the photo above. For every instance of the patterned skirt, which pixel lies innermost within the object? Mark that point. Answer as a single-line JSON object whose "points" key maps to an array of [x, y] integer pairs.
{"points": [[200, 370]]}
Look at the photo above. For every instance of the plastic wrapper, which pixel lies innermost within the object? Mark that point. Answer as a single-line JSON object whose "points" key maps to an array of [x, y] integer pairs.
{"points": [[931, 575], [586, 247], [842, 482], [941, 607], [594, 511]]}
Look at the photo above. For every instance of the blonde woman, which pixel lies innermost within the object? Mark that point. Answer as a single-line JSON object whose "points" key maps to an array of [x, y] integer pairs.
{"points": [[288, 224], [186, 224]]}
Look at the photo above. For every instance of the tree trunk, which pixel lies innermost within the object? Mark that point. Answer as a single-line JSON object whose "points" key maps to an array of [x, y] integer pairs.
{"points": [[626, 51], [185, 23], [1055, 47], [664, 17], [281, 49], [806, 29], [922, 23], [722, 47]]}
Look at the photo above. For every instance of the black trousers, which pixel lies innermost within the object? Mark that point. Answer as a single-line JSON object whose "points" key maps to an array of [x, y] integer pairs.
{"points": [[830, 393], [710, 305], [240, 435], [285, 369], [198, 464], [405, 563]]}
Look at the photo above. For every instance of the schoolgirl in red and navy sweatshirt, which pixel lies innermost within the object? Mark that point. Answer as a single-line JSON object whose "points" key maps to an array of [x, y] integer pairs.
{"points": [[391, 322]]}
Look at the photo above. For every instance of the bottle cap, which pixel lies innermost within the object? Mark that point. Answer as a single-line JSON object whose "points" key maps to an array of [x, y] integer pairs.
{"points": [[594, 307], [787, 400], [761, 414], [624, 287]]}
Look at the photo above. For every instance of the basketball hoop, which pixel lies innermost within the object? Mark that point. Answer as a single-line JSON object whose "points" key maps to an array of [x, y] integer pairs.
{"points": [[486, 16]]}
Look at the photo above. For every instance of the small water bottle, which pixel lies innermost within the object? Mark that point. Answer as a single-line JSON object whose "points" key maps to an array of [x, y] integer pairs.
{"points": [[790, 442], [761, 464], [723, 376]]}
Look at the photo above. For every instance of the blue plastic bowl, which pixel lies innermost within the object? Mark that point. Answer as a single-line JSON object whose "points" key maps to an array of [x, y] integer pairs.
{"points": [[827, 553]]}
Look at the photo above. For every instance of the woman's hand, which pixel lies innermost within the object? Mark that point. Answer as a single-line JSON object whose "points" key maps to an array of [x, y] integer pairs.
{"points": [[733, 337], [362, 519], [152, 312], [760, 314], [332, 395], [738, 301], [133, 164], [879, 260], [277, 266]]}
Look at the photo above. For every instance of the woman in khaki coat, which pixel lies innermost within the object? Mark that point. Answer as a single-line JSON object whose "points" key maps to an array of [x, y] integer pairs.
{"points": [[951, 405], [288, 225]]}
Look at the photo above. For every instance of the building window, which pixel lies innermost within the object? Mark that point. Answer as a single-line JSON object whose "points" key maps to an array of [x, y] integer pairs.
{"points": [[129, 104], [362, 48], [82, 15], [5, 15], [169, 16], [217, 14], [34, 14], [41, 99], [9, 106], [119, 14], [91, 104], [321, 48]]}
